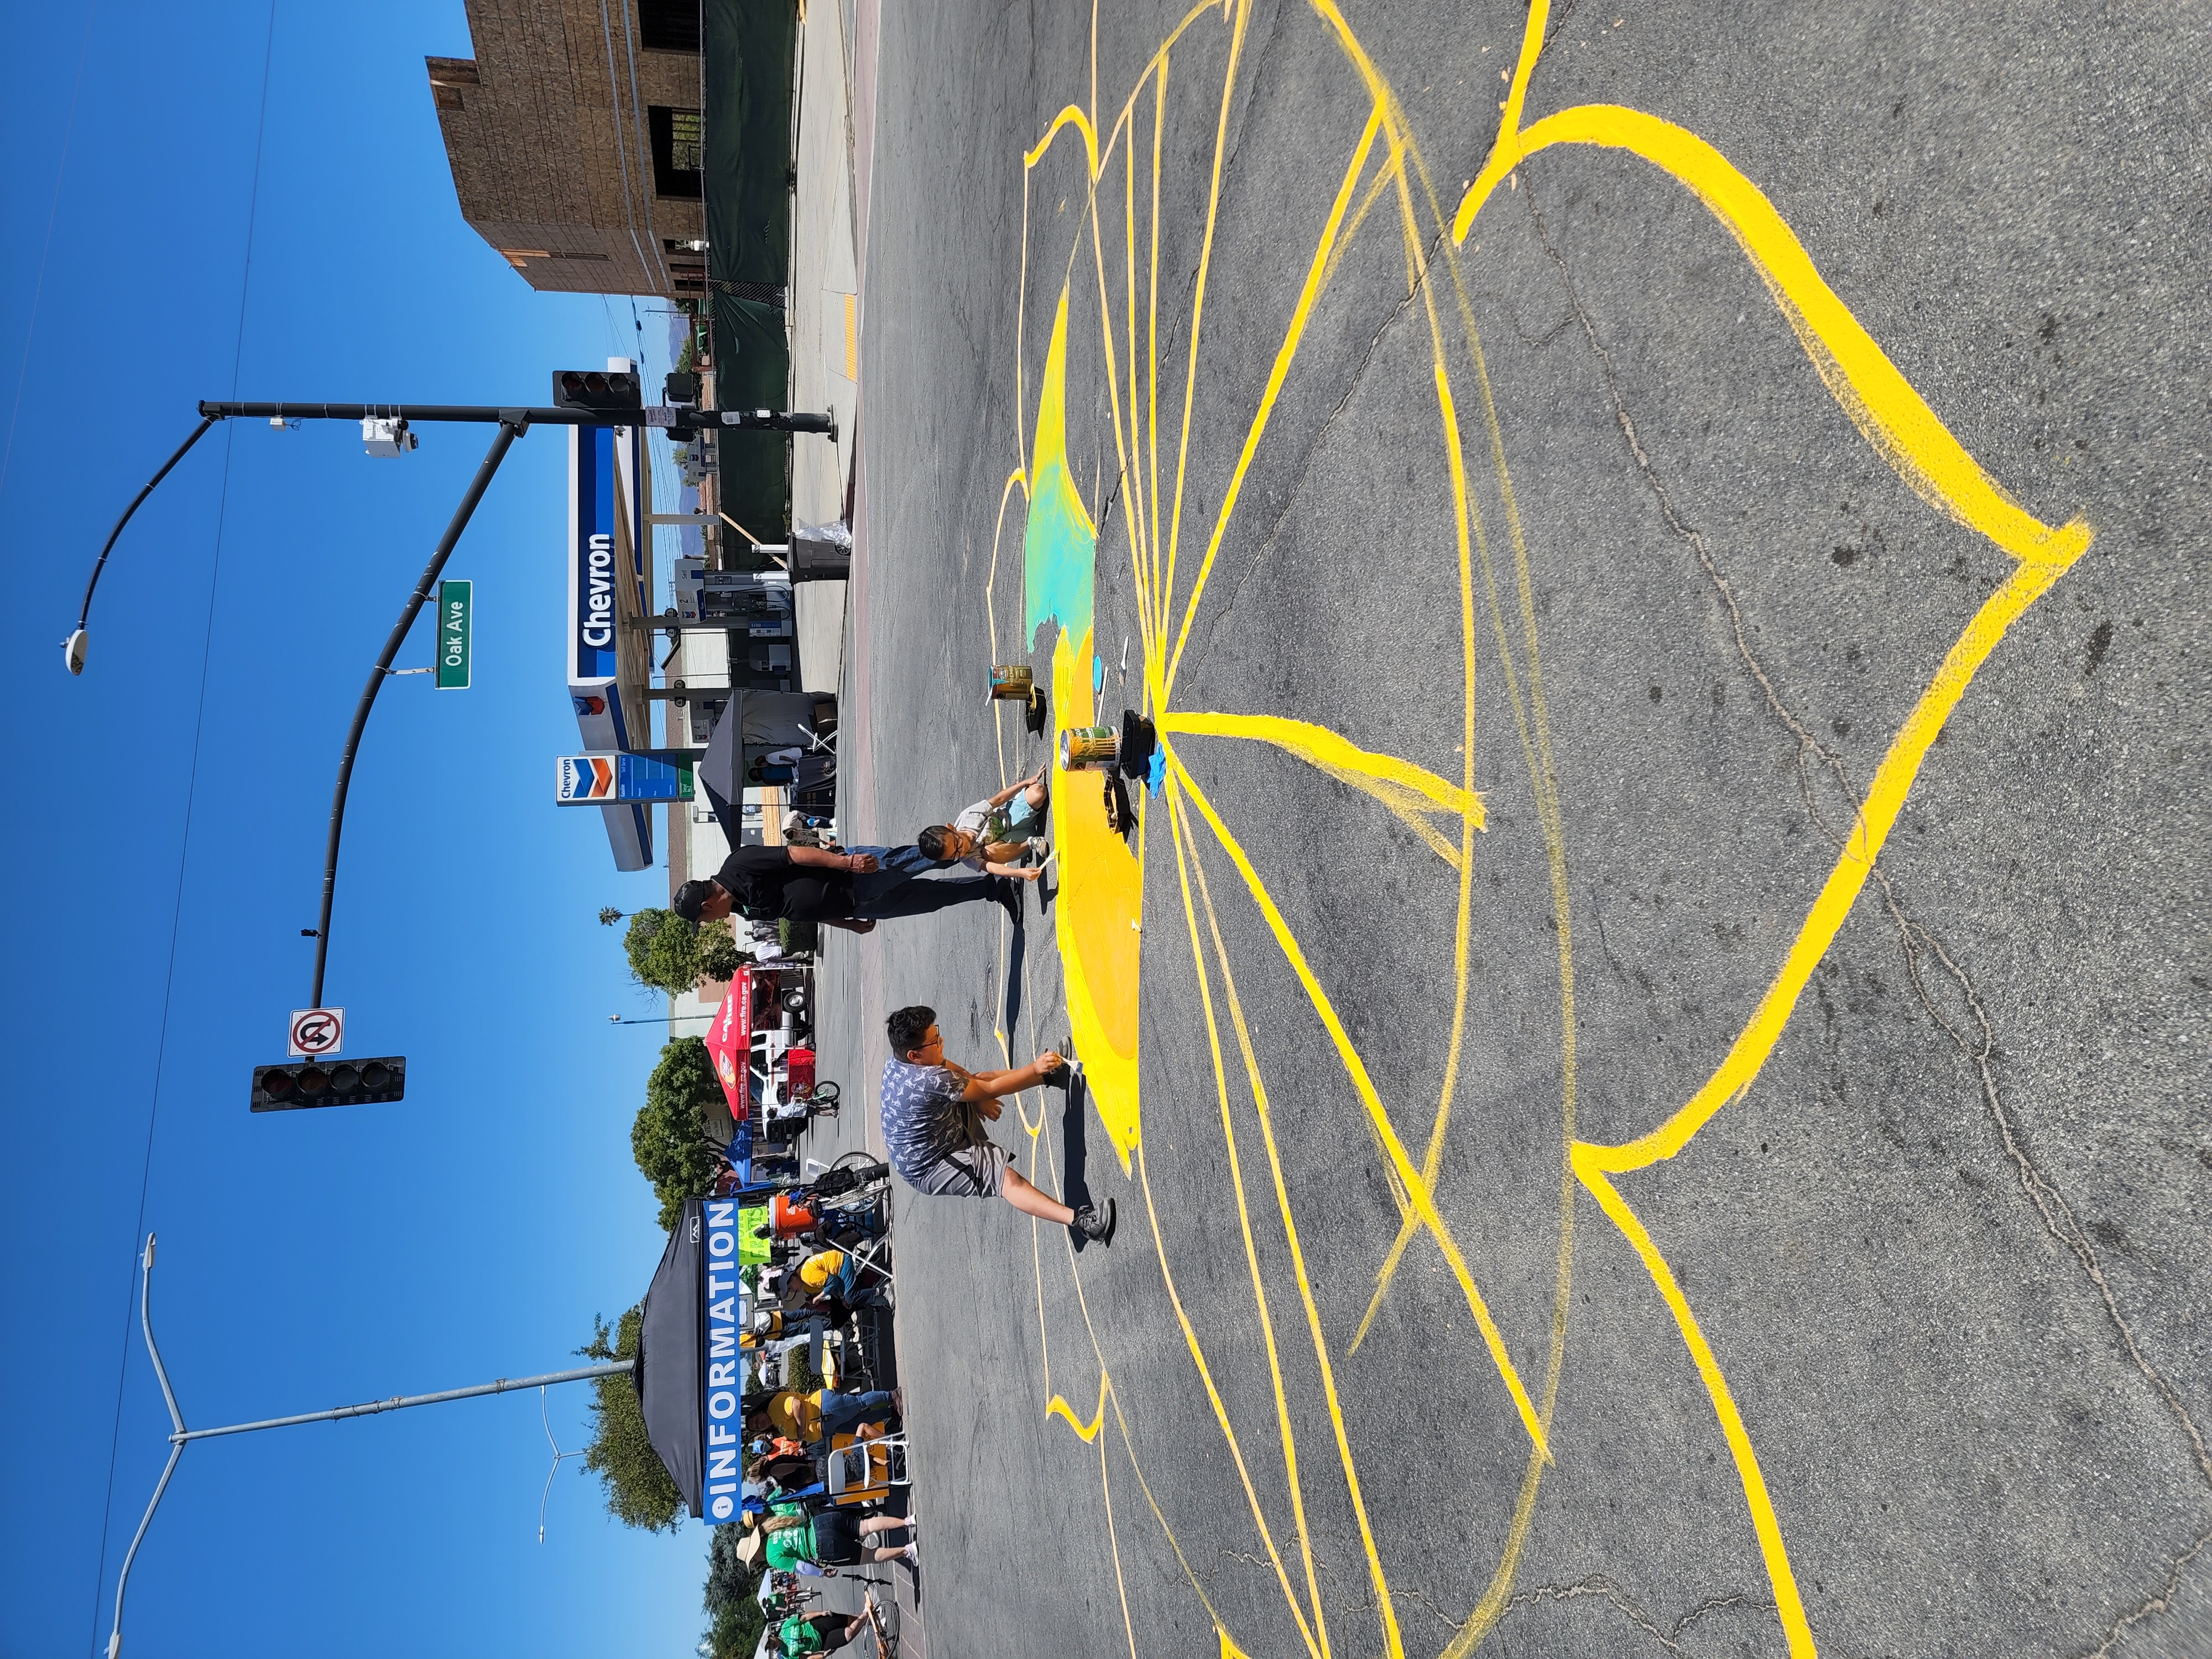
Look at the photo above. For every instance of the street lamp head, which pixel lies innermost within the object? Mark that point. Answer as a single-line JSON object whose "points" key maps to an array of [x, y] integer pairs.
{"points": [[73, 651]]}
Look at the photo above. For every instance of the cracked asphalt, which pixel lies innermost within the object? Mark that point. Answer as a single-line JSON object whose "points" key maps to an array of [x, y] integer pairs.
{"points": [[1949, 1248]]}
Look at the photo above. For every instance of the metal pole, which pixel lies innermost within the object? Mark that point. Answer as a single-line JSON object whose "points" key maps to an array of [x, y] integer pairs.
{"points": [[176, 1448], [655, 415], [477, 414], [73, 648], [513, 424], [183, 1437], [399, 1402]]}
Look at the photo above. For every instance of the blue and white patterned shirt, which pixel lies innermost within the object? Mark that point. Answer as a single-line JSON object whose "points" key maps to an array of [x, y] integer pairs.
{"points": [[922, 1116]]}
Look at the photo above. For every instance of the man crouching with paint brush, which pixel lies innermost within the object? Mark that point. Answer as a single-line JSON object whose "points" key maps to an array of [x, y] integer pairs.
{"points": [[933, 1116]]}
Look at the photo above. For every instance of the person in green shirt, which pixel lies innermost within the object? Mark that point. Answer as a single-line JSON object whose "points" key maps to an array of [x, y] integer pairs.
{"points": [[820, 1632], [788, 1542]]}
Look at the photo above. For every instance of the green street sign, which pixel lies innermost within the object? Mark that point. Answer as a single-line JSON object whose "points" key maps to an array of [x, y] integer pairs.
{"points": [[454, 602]]}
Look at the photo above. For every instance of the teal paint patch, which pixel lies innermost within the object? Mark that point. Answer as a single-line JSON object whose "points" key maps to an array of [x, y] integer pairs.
{"points": [[1058, 551]]}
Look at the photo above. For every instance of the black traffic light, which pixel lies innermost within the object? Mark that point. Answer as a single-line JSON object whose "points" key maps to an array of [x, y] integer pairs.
{"points": [[611, 392], [303, 1083]]}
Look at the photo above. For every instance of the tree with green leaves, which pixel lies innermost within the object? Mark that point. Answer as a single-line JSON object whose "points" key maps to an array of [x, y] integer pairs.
{"points": [[718, 957], [663, 950], [734, 1609], [667, 1138], [672, 955], [640, 1490]]}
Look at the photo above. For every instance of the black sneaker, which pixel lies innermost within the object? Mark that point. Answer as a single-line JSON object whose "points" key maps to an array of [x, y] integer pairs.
{"points": [[1094, 1224], [1009, 896]]}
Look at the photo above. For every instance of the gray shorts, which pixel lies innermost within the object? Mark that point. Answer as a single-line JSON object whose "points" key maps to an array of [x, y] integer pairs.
{"points": [[976, 1172]]}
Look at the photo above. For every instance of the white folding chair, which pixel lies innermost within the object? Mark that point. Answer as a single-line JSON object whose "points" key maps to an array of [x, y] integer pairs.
{"points": [[865, 1258], [852, 1470]]}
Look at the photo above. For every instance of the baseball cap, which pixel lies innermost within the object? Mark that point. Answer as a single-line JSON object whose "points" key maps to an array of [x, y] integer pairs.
{"points": [[690, 898]]}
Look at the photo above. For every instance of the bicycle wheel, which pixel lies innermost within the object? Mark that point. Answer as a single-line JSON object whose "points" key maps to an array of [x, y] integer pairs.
{"points": [[854, 1179], [825, 1094]]}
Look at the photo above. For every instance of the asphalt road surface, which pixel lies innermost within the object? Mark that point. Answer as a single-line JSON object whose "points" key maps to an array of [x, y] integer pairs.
{"points": [[1801, 454]]}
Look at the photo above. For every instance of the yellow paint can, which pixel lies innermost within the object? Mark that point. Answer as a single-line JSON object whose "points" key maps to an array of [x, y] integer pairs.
{"points": [[1089, 749]]}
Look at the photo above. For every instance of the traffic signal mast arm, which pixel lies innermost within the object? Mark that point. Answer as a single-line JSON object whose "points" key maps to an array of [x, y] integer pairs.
{"points": [[585, 397], [651, 415]]}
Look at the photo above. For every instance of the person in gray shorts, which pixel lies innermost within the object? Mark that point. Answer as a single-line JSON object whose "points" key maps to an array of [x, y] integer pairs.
{"points": [[933, 1114]]}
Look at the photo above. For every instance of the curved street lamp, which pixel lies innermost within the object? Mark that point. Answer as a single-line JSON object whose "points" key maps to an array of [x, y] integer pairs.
{"points": [[182, 1437]]}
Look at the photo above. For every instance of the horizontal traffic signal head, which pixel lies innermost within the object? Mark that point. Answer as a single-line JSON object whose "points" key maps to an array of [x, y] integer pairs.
{"points": [[597, 391], [303, 1083]]}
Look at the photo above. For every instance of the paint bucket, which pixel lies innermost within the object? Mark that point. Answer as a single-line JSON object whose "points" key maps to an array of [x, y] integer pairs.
{"points": [[1088, 748], [1012, 681]]}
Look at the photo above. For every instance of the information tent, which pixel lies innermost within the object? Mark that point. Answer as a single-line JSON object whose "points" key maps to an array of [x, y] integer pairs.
{"points": [[691, 1360]]}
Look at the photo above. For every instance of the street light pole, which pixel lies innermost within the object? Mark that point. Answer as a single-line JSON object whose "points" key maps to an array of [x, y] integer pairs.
{"points": [[679, 419], [183, 1437]]}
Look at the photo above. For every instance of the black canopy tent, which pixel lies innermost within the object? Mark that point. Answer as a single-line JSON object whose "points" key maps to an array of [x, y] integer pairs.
{"points": [[670, 1391], [754, 725]]}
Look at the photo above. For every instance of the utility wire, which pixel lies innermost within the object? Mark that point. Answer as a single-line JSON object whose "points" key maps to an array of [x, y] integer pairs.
{"points": [[192, 788], [38, 289]]}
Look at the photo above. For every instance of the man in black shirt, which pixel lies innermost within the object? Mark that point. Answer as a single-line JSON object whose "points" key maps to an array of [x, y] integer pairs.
{"points": [[851, 890]]}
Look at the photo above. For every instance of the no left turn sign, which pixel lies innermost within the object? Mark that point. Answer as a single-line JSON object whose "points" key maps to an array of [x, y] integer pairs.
{"points": [[315, 1032]]}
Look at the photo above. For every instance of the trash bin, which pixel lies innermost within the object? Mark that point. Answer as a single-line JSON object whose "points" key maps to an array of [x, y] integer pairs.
{"points": [[821, 553]]}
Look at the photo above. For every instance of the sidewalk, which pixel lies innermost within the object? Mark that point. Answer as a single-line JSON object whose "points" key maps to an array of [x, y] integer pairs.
{"points": [[824, 320], [836, 100]]}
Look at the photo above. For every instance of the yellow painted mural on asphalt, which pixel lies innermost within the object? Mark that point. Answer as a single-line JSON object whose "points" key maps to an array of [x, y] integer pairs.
{"points": [[1099, 914]]}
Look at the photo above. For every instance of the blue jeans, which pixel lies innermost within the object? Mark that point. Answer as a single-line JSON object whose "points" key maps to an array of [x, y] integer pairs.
{"points": [[843, 1413], [897, 889]]}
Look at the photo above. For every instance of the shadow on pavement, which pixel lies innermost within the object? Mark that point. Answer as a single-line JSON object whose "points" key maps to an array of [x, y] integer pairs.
{"points": [[1077, 1191]]}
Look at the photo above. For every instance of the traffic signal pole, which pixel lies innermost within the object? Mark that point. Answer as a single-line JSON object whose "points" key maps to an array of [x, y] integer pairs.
{"points": [[512, 422], [512, 425], [183, 1437], [650, 415]]}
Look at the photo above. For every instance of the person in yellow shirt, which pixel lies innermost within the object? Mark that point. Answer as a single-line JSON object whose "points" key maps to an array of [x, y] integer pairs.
{"points": [[834, 1274], [819, 1269], [808, 1418]]}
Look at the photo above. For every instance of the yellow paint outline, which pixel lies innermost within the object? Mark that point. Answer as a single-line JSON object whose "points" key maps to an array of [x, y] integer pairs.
{"points": [[1179, 833], [1318, 1645], [1393, 1640], [1293, 335], [1417, 1190], [1086, 1433], [1881, 402], [1411, 792], [1888, 411]]}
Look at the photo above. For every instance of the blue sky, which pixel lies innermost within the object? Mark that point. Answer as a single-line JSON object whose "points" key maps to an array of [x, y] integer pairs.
{"points": [[317, 1258]]}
